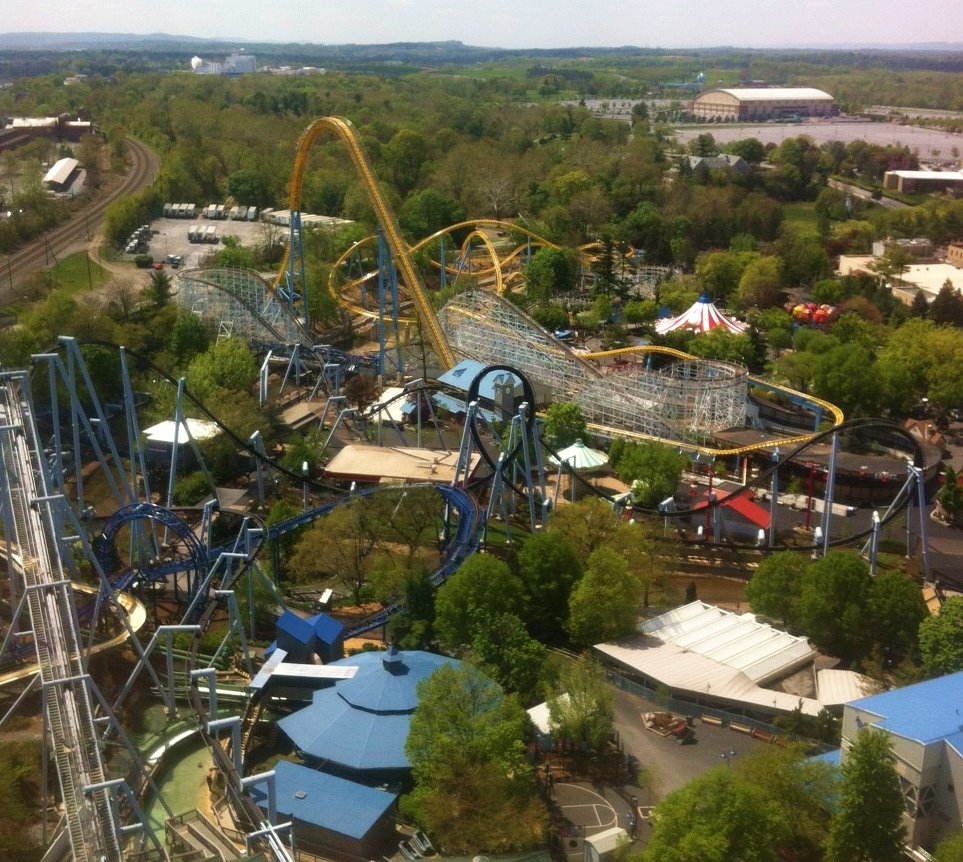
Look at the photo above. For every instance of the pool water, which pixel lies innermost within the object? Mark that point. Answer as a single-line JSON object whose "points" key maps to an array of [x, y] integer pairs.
{"points": [[183, 785]]}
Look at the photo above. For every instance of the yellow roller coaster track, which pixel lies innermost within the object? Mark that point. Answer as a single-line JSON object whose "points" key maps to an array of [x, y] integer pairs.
{"points": [[604, 430], [343, 130], [476, 226]]}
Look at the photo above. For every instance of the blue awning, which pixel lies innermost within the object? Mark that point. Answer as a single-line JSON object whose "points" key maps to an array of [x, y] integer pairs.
{"points": [[332, 803]]}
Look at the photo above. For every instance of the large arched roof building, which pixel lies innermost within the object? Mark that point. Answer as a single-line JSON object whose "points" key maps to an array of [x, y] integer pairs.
{"points": [[763, 103]]}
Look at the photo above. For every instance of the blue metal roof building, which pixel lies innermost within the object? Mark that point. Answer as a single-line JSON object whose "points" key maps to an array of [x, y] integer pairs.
{"points": [[305, 640], [361, 725], [925, 727], [337, 814]]}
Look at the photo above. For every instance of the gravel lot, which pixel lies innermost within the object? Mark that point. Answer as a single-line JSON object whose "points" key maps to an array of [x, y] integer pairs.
{"points": [[170, 237], [924, 141]]}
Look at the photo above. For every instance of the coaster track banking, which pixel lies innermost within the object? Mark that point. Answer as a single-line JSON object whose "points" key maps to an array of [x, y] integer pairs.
{"points": [[436, 334], [494, 272], [343, 129]]}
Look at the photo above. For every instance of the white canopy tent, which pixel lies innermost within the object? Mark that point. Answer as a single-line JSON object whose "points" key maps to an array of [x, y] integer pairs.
{"points": [[701, 317]]}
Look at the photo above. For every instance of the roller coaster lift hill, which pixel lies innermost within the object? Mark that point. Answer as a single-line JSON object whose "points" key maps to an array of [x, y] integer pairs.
{"points": [[661, 395]]}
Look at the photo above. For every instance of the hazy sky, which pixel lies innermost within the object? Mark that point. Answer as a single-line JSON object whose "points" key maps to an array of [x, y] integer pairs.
{"points": [[507, 23]]}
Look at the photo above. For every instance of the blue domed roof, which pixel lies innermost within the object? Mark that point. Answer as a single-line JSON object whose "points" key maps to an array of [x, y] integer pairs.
{"points": [[388, 682], [362, 723]]}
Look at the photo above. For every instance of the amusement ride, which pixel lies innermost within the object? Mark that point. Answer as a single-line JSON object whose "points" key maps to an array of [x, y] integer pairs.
{"points": [[76, 590]]}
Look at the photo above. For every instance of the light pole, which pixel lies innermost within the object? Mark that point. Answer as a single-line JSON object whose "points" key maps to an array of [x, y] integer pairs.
{"points": [[727, 756]]}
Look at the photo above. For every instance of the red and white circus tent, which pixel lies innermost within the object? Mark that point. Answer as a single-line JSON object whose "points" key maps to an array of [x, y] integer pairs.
{"points": [[702, 316]]}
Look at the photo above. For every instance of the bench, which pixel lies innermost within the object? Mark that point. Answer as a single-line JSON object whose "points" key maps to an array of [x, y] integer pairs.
{"points": [[741, 728], [711, 719]]}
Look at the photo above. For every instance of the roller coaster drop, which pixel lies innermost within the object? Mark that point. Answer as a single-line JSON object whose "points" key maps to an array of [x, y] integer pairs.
{"points": [[102, 817]]}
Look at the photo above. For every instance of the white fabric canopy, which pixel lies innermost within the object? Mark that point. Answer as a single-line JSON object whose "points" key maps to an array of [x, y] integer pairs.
{"points": [[702, 316], [581, 458]]}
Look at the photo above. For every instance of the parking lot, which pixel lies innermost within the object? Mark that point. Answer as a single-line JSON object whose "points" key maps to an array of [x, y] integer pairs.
{"points": [[169, 237], [670, 765]]}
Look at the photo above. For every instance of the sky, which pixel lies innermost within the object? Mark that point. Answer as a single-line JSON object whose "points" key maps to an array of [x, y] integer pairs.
{"points": [[508, 23]]}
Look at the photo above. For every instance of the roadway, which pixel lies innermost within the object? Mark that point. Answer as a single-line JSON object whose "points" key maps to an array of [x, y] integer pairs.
{"points": [[76, 232]]}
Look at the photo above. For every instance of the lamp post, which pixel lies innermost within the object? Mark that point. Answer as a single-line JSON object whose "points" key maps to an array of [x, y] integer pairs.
{"points": [[810, 488], [727, 756]]}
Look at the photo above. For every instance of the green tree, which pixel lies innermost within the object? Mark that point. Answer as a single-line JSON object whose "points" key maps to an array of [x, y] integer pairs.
{"points": [[551, 316], [483, 585], [587, 525], [281, 511], [582, 709], [776, 587], [413, 626], [337, 550], [250, 187], [868, 823], [652, 470], [227, 365], [950, 496], [947, 306], [551, 272], [751, 149], [896, 609], [604, 605], [548, 569], [465, 747], [720, 272], [846, 376], [188, 337], [404, 155], [718, 817], [950, 849], [505, 651], [564, 424], [761, 283], [640, 311], [941, 639], [428, 211], [835, 609], [744, 349], [802, 787], [159, 289]]}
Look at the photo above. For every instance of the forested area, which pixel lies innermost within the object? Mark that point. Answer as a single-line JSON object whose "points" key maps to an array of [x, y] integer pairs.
{"points": [[498, 141]]}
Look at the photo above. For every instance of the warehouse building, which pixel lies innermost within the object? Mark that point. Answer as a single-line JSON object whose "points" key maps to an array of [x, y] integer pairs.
{"points": [[908, 182], [762, 103], [61, 175]]}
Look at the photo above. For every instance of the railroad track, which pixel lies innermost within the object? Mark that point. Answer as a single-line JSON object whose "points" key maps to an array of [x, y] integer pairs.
{"points": [[37, 254]]}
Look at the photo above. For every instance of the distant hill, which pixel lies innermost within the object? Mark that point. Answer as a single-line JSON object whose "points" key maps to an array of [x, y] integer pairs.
{"points": [[397, 50], [96, 41]]}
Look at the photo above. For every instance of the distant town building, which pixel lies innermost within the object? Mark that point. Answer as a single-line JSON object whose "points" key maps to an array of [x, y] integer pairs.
{"points": [[950, 182], [918, 248], [925, 278], [954, 254], [291, 71], [762, 103], [702, 165], [17, 131], [235, 64]]}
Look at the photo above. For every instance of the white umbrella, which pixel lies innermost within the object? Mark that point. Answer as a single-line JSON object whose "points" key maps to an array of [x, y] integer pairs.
{"points": [[581, 458]]}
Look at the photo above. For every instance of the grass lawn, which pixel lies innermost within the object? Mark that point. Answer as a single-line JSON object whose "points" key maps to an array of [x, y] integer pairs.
{"points": [[71, 274], [800, 215]]}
